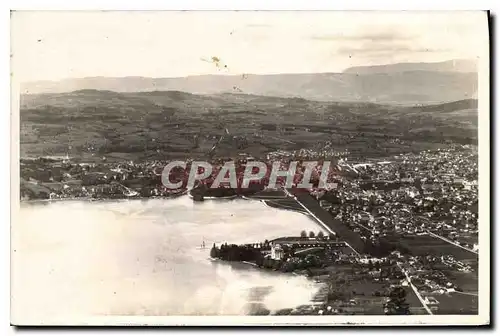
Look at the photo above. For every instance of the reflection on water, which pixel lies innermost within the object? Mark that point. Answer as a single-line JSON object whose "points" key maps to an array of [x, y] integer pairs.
{"points": [[142, 257]]}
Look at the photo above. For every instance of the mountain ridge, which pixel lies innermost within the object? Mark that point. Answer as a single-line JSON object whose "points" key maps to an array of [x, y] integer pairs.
{"points": [[96, 98], [406, 87]]}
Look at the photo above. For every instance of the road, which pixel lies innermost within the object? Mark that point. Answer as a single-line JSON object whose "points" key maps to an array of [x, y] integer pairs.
{"points": [[451, 242], [464, 293], [364, 227], [415, 290]]}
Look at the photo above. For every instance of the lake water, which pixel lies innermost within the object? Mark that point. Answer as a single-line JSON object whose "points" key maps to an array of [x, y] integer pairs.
{"points": [[143, 257]]}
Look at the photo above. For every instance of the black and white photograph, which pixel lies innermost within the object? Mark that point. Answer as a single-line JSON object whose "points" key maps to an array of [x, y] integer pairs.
{"points": [[250, 168]]}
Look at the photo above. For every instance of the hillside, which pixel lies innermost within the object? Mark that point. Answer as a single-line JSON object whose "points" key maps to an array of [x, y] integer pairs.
{"points": [[146, 125], [460, 105], [417, 84], [463, 66]]}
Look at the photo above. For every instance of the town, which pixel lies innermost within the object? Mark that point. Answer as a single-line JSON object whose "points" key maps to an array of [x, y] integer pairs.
{"points": [[398, 235]]}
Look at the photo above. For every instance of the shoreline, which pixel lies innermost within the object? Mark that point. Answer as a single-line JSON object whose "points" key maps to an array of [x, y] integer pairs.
{"points": [[214, 197], [284, 207], [186, 192], [102, 199]]}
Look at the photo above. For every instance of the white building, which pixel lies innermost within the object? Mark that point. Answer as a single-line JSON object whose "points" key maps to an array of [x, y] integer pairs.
{"points": [[276, 252], [430, 300]]}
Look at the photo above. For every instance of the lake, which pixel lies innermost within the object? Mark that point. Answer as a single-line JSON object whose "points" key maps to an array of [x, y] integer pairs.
{"points": [[143, 257]]}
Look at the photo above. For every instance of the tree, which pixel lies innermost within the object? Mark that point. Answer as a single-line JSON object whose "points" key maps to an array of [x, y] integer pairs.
{"points": [[311, 234], [288, 266], [312, 260], [214, 252], [396, 305], [259, 259], [336, 289], [303, 234], [321, 235], [332, 236]]}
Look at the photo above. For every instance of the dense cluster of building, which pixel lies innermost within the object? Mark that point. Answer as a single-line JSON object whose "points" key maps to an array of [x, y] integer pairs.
{"points": [[413, 194], [52, 178], [44, 178], [431, 194]]}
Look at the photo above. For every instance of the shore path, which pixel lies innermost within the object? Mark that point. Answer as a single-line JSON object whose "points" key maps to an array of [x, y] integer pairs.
{"points": [[289, 194], [325, 219]]}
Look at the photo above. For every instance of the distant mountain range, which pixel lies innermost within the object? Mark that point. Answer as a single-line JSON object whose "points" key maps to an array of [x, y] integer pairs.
{"points": [[447, 66], [403, 83]]}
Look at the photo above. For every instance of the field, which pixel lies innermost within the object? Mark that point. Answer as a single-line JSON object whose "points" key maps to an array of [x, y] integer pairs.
{"points": [[90, 124], [469, 239], [428, 245], [468, 282], [457, 303]]}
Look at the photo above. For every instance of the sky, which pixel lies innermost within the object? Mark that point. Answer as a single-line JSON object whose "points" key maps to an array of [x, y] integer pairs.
{"points": [[57, 45]]}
